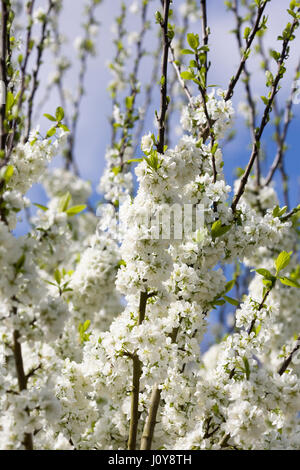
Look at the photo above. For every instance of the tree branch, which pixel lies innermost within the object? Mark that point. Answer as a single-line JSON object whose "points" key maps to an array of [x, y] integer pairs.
{"points": [[247, 74], [40, 49], [204, 34], [259, 131], [3, 72], [288, 360], [149, 427], [281, 136], [22, 379], [137, 370], [164, 78], [249, 42]]}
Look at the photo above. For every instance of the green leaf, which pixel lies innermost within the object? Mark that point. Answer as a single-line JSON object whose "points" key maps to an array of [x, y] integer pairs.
{"points": [[257, 329], [9, 101], [229, 286], [51, 132], [289, 282], [282, 261], [7, 173], [75, 210], [268, 283], [218, 229], [129, 102], [187, 51], [51, 283], [265, 273], [20, 263], [59, 114], [64, 127], [57, 276], [64, 202], [231, 301], [187, 75], [247, 31], [193, 40], [82, 328], [116, 170], [277, 212], [43, 208], [247, 367], [50, 117], [219, 302], [134, 160]]}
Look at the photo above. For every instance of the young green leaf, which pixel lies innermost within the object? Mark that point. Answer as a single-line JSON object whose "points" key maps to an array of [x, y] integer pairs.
{"points": [[7, 173], [247, 367], [289, 282], [282, 261], [265, 273], [64, 202], [40, 206], [51, 132], [57, 276], [231, 301], [75, 210], [187, 75], [59, 114], [218, 229], [193, 40], [51, 118], [9, 101]]}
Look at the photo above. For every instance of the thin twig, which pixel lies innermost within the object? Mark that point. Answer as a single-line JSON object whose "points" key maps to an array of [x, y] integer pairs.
{"points": [[289, 359], [3, 72], [164, 75], [249, 42], [265, 118], [40, 50], [204, 35], [281, 136], [177, 69], [150, 423], [247, 74]]}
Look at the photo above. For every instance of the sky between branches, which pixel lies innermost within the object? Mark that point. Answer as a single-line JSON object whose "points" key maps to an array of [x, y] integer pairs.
{"points": [[94, 128]]}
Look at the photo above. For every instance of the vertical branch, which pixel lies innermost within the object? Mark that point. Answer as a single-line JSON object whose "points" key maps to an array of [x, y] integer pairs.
{"points": [[204, 34], [149, 90], [134, 411], [3, 71], [149, 427], [266, 115], [137, 370], [40, 50], [150, 423], [247, 78], [280, 139], [28, 50], [22, 379], [164, 78], [125, 138], [70, 159]]}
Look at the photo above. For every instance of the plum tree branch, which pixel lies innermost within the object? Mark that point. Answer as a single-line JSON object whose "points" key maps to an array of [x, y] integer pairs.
{"points": [[266, 115]]}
